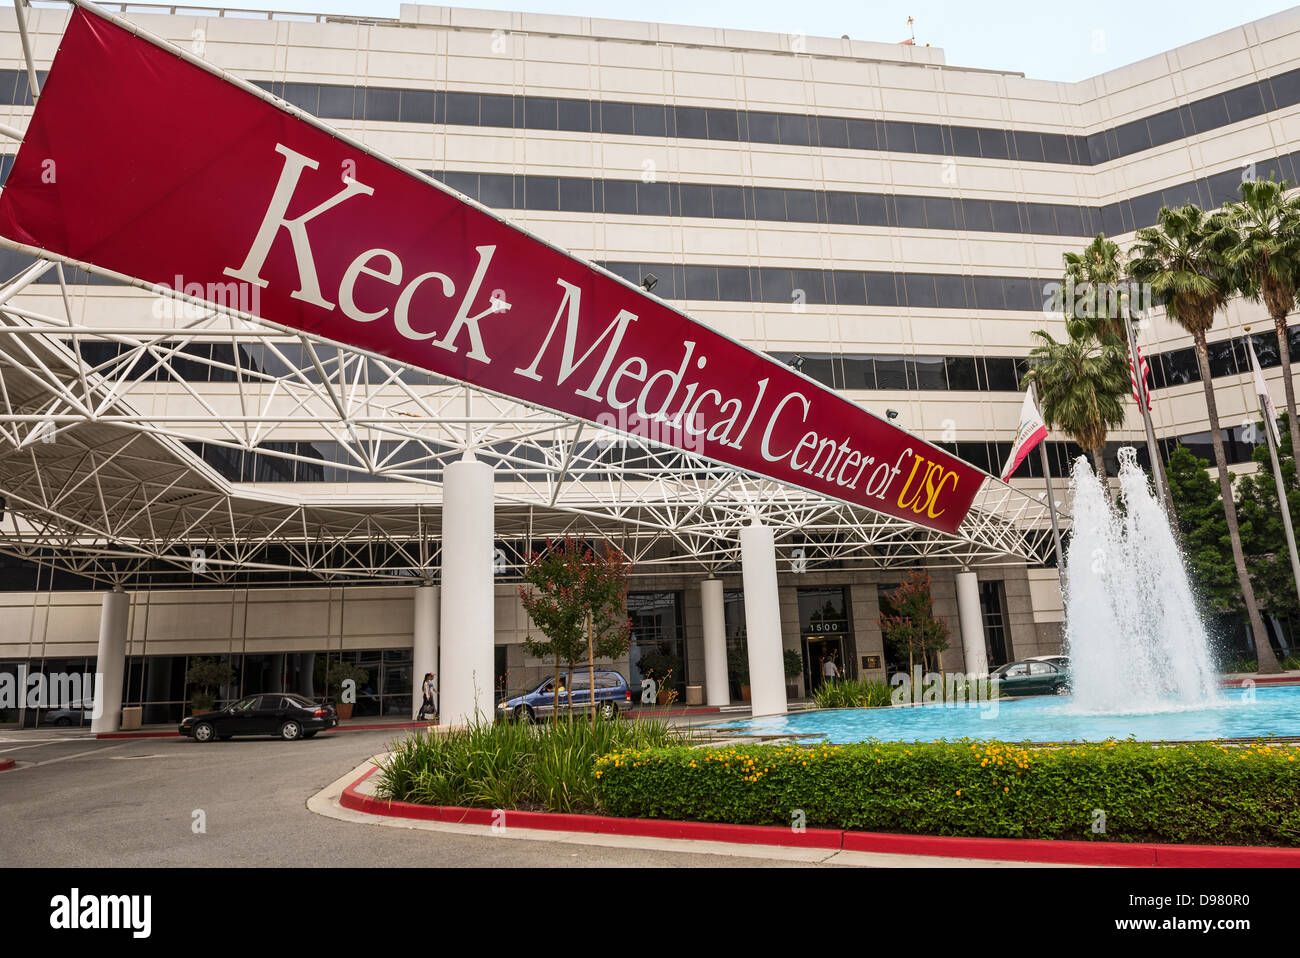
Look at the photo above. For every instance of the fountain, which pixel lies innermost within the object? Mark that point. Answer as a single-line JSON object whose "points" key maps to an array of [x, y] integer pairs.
{"points": [[1139, 659], [1135, 640]]}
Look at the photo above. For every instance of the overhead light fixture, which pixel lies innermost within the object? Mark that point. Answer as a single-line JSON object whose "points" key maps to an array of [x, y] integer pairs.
{"points": [[797, 363], [891, 413], [649, 282]]}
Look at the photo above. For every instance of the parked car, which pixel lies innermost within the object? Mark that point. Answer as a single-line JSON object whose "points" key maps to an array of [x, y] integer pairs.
{"points": [[283, 714], [1061, 661], [1032, 677], [73, 713], [612, 693]]}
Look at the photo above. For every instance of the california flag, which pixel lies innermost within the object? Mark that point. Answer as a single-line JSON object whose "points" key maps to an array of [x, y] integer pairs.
{"points": [[1032, 431]]}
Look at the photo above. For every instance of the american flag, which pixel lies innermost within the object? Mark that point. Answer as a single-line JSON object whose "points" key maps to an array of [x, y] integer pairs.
{"points": [[1146, 378]]}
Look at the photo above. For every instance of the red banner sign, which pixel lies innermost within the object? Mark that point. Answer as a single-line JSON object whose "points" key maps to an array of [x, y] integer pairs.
{"points": [[140, 163]]}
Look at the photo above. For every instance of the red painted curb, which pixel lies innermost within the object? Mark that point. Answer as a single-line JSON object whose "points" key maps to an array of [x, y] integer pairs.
{"points": [[6, 764], [1143, 855]]}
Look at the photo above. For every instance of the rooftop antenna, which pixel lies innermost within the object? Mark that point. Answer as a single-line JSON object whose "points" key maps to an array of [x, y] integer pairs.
{"points": [[911, 41]]}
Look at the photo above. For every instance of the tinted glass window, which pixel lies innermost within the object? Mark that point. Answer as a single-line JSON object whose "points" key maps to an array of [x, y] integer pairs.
{"points": [[961, 372], [859, 372], [891, 372], [928, 373], [1181, 368], [1000, 374], [616, 118], [649, 119], [881, 289], [574, 115], [794, 129], [723, 125], [1222, 360]]}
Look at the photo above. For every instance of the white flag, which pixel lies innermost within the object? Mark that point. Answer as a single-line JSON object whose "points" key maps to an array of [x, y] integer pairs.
{"points": [[1032, 431], [1261, 390]]}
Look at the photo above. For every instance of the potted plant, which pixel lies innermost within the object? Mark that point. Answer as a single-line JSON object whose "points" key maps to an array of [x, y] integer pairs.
{"points": [[336, 675], [660, 666], [793, 669], [738, 665], [207, 676]]}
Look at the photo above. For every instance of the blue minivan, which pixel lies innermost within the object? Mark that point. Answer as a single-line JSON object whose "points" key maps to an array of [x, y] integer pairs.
{"points": [[612, 694]]}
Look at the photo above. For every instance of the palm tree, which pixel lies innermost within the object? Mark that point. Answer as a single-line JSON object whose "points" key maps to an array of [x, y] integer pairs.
{"points": [[1183, 259], [1080, 382], [1098, 301], [1096, 276], [1265, 257]]}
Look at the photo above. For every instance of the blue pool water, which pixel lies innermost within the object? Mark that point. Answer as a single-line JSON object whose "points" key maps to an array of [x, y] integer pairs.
{"points": [[1047, 718]]}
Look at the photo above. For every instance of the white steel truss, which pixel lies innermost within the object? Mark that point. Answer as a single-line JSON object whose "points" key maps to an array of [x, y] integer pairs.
{"points": [[164, 452]]}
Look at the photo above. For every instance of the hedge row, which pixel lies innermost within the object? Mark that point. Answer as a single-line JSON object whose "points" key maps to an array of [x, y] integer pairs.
{"points": [[1136, 791]]}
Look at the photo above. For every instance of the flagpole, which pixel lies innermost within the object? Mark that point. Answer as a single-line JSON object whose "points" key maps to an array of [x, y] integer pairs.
{"points": [[1144, 404], [1051, 497], [1261, 397]]}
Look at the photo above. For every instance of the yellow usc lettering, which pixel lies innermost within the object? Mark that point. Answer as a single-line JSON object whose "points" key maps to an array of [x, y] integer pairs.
{"points": [[928, 487]]}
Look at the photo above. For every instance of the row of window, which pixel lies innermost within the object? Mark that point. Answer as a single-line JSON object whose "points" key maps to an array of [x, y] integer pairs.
{"points": [[506, 191], [387, 104], [397, 105]]}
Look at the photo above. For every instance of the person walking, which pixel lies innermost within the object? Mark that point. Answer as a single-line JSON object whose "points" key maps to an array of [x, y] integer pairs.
{"points": [[830, 671], [430, 690]]}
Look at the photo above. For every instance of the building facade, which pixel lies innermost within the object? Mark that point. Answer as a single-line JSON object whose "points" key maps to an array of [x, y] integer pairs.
{"points": [[888, 223]]}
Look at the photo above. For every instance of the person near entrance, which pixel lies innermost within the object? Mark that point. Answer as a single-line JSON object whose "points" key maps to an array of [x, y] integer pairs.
{"points": [[830, 670], [430, 690]]}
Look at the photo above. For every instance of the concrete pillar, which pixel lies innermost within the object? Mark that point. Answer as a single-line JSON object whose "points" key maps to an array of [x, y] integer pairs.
{"points": [[424, 645], [762, 620], [468, 633], [110, 662], [716, 686], [971, 618]]}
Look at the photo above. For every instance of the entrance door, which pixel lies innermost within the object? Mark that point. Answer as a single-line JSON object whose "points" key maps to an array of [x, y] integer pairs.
{"points": [[817, 649]]}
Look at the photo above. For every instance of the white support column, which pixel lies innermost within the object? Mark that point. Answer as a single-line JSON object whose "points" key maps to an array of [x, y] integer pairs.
{"points": [[468, 633], [424, 644], [716, 690], [110, 662], [972, 623], [762, 620]]}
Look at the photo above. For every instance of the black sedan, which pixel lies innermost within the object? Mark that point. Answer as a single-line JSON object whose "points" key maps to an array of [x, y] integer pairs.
{"points": [[282, 714], [1032, 677]]}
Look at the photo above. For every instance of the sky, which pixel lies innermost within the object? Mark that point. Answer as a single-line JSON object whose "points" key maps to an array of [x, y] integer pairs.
{"points": [[1044, 39]]}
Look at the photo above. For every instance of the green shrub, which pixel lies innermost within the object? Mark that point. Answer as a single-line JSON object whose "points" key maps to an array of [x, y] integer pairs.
{"points": [[512, 765], [866, 694], [852, 694], [1199, 793]]}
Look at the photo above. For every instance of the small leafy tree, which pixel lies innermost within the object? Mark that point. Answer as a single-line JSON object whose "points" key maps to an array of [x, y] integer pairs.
{"points": [[207, 675], [577, 598], [910, 625]]}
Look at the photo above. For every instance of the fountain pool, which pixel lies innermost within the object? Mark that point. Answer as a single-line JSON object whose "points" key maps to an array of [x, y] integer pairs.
{"points": [[1234, 713]]}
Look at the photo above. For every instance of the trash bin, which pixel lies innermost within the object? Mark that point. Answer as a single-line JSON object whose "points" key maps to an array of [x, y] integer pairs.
{"points": [[695, 695], [131, 718]]}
